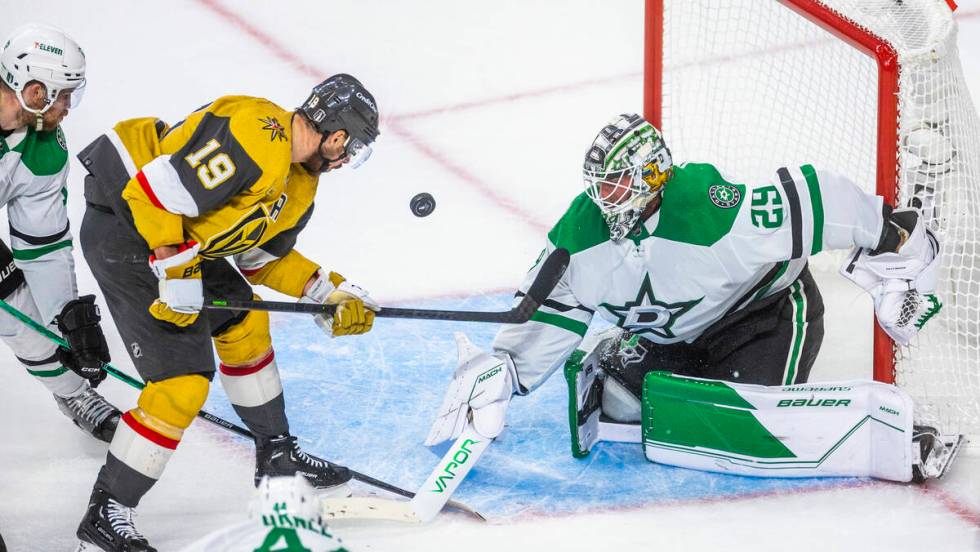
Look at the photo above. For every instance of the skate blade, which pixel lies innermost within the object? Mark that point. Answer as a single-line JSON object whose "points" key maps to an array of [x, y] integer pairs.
{"points": [[86, 547], [953, 443], [340, 491]]}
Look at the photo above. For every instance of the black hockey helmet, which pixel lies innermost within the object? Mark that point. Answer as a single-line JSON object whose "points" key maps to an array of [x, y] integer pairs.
{"points": [[342, 103]]}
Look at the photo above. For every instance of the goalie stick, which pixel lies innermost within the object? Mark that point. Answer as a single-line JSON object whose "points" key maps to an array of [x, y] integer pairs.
{"points": [[551, 272], [220, 422]]}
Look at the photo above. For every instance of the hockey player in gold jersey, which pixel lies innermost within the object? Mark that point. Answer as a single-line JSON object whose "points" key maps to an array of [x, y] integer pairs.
{"points": [[167, 209]]}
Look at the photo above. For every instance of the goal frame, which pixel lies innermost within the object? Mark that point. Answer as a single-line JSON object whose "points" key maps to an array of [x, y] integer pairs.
{"points": [[887, 139]]}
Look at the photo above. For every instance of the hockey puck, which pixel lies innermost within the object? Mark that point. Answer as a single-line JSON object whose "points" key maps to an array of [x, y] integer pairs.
{"points": [[423, 204]]}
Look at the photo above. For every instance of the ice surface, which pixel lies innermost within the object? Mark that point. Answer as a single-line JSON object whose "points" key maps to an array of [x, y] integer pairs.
{"points": [[488, 107]]}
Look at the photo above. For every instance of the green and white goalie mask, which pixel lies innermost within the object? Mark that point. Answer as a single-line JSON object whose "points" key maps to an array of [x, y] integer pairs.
{"points": [[625, 169]]}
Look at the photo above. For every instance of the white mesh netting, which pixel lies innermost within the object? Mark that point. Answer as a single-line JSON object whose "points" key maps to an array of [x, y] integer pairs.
{"points": [[751, 85]]}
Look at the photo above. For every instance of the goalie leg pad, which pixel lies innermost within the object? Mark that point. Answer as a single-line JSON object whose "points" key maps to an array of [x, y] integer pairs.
{"points": [[584, 373], [852, 428]]}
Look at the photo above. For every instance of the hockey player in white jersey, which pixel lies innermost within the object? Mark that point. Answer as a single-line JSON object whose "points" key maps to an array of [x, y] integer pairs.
{"points": [[284, 515], [718, 320], [42, 74]]}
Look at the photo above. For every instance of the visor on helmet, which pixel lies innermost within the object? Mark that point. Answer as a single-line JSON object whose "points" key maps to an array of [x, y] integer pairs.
{"points": [[358, 151], [75, 94]]}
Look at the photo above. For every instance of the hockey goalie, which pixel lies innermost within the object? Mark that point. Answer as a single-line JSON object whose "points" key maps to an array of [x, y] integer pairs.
{"points": [[717, 320]]}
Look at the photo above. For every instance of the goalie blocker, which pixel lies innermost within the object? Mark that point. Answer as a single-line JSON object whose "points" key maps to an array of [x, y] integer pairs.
{"points": [[851, 428]]}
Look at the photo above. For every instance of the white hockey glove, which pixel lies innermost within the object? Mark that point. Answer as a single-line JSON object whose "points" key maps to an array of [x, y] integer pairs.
{"points": [[180, 287], [481, 388], [902, 284], [355, 308]]}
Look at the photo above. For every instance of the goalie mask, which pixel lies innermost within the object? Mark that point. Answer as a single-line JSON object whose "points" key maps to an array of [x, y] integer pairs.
{"points": [[625, 169]]}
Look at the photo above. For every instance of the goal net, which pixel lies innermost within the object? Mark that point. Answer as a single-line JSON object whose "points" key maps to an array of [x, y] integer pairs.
{"points": [[869, 88]]}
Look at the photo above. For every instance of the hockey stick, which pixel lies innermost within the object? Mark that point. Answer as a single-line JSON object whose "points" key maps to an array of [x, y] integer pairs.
{"points": [[549, 275], [431, 497], [220, 422]]}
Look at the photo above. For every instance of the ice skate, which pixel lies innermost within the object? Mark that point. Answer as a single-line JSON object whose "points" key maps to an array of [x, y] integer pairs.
{"points": [[91, 412], [936, 453], [281, 456], [108, 526]]}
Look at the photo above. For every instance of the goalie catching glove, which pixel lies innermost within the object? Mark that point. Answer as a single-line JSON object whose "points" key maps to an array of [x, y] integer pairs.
{"points": [[181, 290], [902, 283], [481, 389], [355, 309]]}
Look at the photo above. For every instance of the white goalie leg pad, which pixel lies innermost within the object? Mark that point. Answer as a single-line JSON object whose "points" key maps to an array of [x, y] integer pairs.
{"points": [[851, 428], [586, 399]]}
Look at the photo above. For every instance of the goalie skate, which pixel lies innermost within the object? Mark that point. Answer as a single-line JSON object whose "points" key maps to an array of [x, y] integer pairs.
{"points": [[936, 453]]}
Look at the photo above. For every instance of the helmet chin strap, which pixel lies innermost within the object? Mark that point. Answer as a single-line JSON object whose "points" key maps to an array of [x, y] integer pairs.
{"points": [[38, 113]]}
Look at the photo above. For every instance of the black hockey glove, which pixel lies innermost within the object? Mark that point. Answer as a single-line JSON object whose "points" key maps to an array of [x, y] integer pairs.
{"points": [[79, 323]]}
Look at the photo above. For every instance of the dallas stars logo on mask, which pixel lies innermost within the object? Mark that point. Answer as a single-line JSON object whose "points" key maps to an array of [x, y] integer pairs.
{"points": [[647, 315]]}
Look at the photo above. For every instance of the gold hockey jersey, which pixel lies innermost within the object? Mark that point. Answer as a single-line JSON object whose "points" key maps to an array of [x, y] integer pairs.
{"points": [[223, 178]]}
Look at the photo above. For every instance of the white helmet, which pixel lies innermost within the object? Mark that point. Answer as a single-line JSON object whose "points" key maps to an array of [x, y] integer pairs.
{"points": [[43, 53], [625, 169], [285, 495]]}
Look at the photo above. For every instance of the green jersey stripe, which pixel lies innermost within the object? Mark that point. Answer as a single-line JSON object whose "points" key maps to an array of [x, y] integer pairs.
{"points": [[47, 373], [799, 333], [562, 322], [816, 201], [31, 254]]}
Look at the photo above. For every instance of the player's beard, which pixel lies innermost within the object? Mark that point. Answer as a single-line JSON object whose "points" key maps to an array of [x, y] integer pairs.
{"points": [[50, 119]]}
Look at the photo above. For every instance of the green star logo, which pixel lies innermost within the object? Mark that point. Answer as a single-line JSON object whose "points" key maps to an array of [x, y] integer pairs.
{"points": [[647, 315], [725, 196]]}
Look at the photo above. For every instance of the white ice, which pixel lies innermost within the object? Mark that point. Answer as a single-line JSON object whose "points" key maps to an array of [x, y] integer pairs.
{"points": [[489, 107]]}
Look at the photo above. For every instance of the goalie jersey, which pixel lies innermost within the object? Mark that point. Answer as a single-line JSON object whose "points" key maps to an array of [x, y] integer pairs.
{"points": [[33, 172], [713, 247], [222, 177]]}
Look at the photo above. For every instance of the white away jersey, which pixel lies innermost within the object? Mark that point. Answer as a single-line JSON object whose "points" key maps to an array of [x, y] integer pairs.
{"points": [[273, 533], [712, 247], [33, 171]]}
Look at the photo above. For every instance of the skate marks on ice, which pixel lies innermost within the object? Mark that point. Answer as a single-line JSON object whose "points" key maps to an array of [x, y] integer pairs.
{"points": [[367, 402]]}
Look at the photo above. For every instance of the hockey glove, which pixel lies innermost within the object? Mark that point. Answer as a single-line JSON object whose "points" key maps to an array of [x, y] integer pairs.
{"points": [[79, 323], [903, 283], [181, 290], [355, 308], [481, 389]]}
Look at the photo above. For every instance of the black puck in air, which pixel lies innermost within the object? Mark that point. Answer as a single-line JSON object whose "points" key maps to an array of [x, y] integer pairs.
{"points": [[423, 204]]}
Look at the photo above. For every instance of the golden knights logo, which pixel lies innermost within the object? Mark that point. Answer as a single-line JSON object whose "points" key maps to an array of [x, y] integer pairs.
{"points": [[648, 316], [272, 125], [246, 233]]}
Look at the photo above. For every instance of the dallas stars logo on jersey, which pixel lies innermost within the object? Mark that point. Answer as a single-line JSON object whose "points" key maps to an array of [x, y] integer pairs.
{"points": [[647, 315]]}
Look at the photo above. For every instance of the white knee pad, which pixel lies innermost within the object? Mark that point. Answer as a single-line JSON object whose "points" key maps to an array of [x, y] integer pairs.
{"points": [[618, 403]]}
